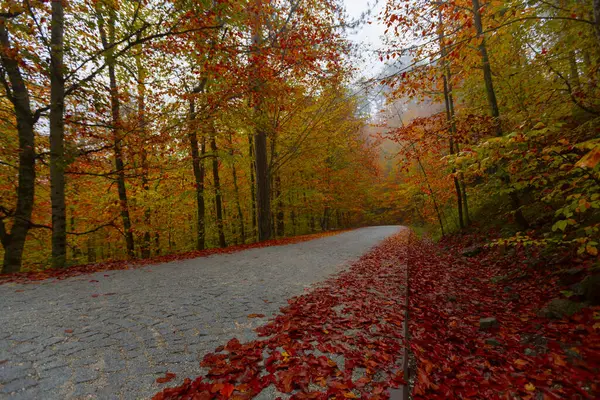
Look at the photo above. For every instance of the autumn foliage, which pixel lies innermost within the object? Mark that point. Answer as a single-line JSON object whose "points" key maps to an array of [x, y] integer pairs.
{"points": [[177, 127]]}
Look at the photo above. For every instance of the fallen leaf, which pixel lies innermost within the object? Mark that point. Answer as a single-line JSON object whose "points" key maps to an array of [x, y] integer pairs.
{"points": [[169, 376], [256, 315]]}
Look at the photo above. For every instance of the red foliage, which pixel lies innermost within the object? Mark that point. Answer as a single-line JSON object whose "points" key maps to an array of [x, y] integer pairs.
{"points": [[356, 315], [169, 376], [32, 277], [534, 357]]}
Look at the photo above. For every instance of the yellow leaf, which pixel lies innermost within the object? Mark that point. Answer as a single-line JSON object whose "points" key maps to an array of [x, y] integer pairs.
{"points": [[530, 387], [591, 250], [590, 160], [350, 395], [596, 325]]}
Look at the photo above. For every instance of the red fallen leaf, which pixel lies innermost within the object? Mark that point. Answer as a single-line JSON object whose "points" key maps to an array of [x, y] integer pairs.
{"points": [[19, 290], [227, 389], [338, 385], [287, 382], [362, 382], [233, 344], [256, 315], [169, 376], [68, 330], [95, 295]]}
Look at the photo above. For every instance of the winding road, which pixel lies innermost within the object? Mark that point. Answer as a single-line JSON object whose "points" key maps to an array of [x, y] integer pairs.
{"points": [[109, 335]]}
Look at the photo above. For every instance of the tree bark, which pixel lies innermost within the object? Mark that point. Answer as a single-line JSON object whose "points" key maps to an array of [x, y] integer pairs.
{"points": [[18, 95], [198, 166], [487, 70], [252, 184], [218, 195], [141, 98], [262, 186], [57, 133], [449, 103], [576, 84], [237, 193], [116, 126], [260, 138]]}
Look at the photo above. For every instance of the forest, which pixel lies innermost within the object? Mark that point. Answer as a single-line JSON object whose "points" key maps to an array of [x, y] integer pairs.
{"points": [[442, 208], [134, 129]]}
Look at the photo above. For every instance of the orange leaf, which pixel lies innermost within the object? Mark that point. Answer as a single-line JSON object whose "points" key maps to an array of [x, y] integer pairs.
{"points": [[590, 160]]}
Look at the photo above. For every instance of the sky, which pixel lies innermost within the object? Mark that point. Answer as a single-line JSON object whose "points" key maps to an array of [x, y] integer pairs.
{"points": [[367, 35]]}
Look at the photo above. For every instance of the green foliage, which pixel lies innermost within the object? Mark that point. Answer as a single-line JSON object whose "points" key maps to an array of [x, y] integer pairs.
{"points": [[541, 168]]}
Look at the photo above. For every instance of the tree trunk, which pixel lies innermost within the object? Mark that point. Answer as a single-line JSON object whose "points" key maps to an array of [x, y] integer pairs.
{"points": [[18, 95], [487, 70], [116, 126], [449, 103], [252, 184], [237, 193], [262, 186], [57, 133], [198, 166], [463, 189], [141, 87], [260, 136], [575, 83], [218, 196]]}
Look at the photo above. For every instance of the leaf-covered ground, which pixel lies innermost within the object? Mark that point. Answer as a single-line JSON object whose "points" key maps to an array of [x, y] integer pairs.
{"points": [[525, 356], [341, 340], [34, 276]]}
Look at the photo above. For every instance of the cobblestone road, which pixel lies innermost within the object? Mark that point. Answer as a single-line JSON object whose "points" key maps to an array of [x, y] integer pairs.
{"points": [[109, 335]]}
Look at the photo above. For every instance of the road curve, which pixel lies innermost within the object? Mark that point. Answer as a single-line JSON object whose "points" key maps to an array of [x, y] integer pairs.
{"points": [[109, 335]]}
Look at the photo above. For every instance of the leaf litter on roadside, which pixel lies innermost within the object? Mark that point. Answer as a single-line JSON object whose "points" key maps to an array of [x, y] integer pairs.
{"points": [[341, 340]]}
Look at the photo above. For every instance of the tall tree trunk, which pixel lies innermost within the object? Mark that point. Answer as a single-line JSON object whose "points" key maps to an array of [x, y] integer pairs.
{"points": [[263, 190], [463, 189], [141, 87], [237, 192], [116, 126], [252, 184], [57, 133], [449, 103], [487, 70], [18, 95], [262, 186], [198, 166], [576, 84], [218, 196]]}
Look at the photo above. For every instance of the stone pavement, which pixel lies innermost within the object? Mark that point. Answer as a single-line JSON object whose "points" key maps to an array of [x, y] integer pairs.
{"points": [[109, 335]]}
